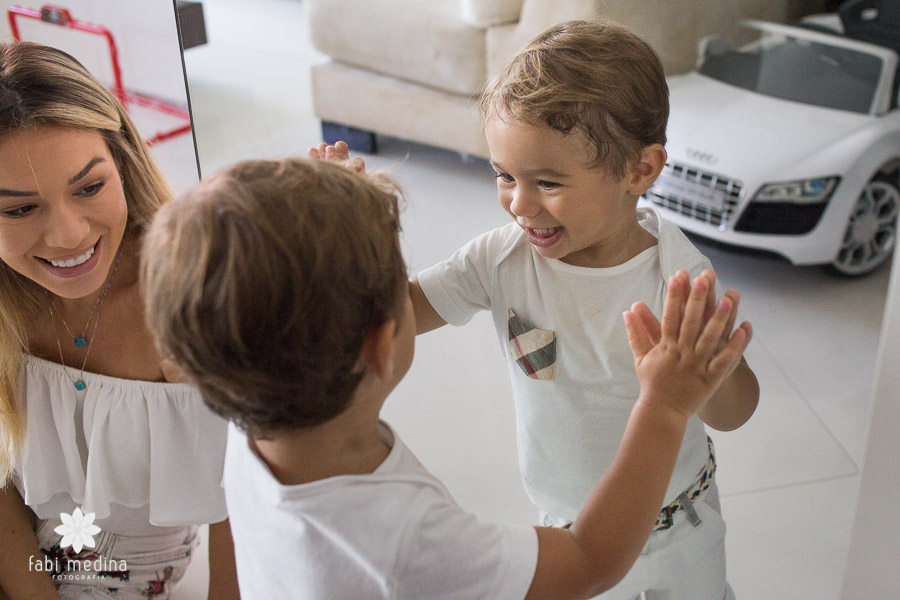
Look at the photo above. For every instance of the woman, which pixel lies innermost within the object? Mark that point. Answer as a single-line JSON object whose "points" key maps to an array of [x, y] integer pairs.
{"points": [[91, 419]]}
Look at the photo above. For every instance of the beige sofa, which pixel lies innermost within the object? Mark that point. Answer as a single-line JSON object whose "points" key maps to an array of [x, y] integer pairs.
{"points": [[413, 68]]}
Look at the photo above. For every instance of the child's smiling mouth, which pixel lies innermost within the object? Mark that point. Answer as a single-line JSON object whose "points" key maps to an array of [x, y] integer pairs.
{"points": [[545, 236]]}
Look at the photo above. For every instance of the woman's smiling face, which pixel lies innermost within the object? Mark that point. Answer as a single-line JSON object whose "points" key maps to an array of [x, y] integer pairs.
{"points": [[62, 208]]}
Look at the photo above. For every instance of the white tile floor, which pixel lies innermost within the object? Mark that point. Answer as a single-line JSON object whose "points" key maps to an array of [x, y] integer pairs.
{"points": [[788, 477]]}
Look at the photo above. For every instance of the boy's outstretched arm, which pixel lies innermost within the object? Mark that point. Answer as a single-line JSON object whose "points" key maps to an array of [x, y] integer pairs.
{"points": [[678, 372], [426, 317], [735, 401]]}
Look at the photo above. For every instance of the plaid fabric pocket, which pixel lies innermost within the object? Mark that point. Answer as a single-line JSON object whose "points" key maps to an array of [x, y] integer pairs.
{"points": [[534, 350]]}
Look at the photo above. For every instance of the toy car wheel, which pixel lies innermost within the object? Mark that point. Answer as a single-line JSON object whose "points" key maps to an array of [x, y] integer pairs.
{"points": [[871, 230]]}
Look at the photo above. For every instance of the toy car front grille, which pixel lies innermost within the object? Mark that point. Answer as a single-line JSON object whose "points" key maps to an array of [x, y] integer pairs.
{"points": [[700, 195]]}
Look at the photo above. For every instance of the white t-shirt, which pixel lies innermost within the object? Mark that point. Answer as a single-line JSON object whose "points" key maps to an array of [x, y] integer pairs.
{"points": [[393, 534], [569, 427]]}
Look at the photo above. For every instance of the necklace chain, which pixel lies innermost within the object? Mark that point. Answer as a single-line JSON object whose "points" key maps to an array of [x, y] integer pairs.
{"points": [[81, 340], [79, 383]]}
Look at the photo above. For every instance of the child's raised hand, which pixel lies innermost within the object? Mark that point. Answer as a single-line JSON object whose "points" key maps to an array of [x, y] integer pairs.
{"points": [[653, 327], [340, 152], [682, 362]]}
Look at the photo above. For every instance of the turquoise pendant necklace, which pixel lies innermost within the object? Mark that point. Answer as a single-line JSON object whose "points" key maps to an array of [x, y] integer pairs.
{"points": [[81, 340]]}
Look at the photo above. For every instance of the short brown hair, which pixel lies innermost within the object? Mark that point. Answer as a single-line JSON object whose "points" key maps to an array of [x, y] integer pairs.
{"points": [[595, 77], [263, 282]]}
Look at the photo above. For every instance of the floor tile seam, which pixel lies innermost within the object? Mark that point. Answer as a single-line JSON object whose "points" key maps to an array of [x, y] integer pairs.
{"points": [[785, 486], [808, 404]]}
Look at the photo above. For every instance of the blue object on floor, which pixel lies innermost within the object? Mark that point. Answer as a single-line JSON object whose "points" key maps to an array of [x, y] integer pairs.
{"points": [[359, 140]]}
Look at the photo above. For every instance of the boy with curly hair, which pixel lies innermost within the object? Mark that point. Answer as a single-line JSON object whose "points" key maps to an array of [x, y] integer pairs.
{"points": [[576, 129], [279, 288]]}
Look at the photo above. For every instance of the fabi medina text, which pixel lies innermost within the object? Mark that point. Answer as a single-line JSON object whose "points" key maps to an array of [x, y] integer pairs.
{"points": [[77, 568]]}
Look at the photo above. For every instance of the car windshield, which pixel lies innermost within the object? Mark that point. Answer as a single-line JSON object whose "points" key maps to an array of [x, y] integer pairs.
{"points": [[800, 70]]}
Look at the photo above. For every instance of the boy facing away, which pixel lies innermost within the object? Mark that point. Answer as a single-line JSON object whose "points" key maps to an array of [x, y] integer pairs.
{"points": [[279, 287], [576, 130]]}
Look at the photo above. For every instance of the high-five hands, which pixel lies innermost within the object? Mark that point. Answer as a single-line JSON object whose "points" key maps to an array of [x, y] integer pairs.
{"points": [[340, 152], [682, 362]]}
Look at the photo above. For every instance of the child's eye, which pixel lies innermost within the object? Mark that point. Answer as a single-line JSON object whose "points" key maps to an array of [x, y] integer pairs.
{"points": [[547, 185], [18, 212], [504, 177], [90, 190]]}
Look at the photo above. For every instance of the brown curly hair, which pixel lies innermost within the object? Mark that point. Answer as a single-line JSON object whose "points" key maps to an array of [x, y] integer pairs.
{"points": [[598, 78], [263, 282]]}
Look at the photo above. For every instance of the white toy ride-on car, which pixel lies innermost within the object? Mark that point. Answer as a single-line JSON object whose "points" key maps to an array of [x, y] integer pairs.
{"points": [[789, 144]]}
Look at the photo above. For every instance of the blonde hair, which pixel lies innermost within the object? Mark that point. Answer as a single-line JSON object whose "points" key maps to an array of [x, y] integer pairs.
{"points": [[598, 78], [263, 282], [41, 86]]}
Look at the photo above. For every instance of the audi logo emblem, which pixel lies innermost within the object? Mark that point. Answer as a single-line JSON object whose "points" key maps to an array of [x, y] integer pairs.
{"points": [[707, 157]]}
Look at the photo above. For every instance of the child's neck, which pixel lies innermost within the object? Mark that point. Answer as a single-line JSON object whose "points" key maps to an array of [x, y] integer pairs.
{"points": [[617, 250], [349, 444]]}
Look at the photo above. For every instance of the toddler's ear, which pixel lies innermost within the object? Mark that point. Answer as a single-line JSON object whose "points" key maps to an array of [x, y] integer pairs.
{"points": [[378, 350], [647, 169]]}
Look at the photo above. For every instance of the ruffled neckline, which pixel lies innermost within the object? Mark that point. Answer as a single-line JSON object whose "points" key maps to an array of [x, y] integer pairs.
{"points": [[118, 442]]}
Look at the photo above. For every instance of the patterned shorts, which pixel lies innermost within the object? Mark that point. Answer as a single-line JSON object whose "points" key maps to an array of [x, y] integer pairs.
{"points": [[119, 567]]}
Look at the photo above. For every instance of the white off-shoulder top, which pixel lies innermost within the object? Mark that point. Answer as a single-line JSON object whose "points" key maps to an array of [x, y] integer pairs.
{"points": [[132, 452]]}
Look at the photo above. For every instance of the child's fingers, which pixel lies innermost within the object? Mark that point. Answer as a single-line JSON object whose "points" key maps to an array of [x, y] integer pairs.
{"points": [[638, 336], [357, 165], [715, 327], [711, 299], [340, 151], [727, 359], [313, 153], [672, 311], [735, 298], [694, 311], [651, 323]]}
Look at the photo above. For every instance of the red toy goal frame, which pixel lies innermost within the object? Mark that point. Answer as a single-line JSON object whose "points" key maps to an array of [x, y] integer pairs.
{"points": [[59, 16]]}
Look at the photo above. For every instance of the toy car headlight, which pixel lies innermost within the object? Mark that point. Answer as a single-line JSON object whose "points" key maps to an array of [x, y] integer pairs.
{"points": [[807, 191]]}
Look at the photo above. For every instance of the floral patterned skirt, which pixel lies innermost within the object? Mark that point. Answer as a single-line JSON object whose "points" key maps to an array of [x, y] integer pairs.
{"points": [[117, 567]]}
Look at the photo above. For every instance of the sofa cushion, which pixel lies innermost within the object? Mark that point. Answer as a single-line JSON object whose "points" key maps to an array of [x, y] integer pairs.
{"points": [[485, 13], [424, 42]]}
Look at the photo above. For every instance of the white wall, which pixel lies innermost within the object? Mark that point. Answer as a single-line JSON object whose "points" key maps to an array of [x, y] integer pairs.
{"points": [[874, 556], [145, 33]]}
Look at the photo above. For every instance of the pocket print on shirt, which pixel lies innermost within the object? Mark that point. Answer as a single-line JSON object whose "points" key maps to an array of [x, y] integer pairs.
{"points": [[534, 349]]}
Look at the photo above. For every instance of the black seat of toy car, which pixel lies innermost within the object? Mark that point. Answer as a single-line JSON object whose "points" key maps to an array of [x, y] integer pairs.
{"points": [[876, 22]]}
